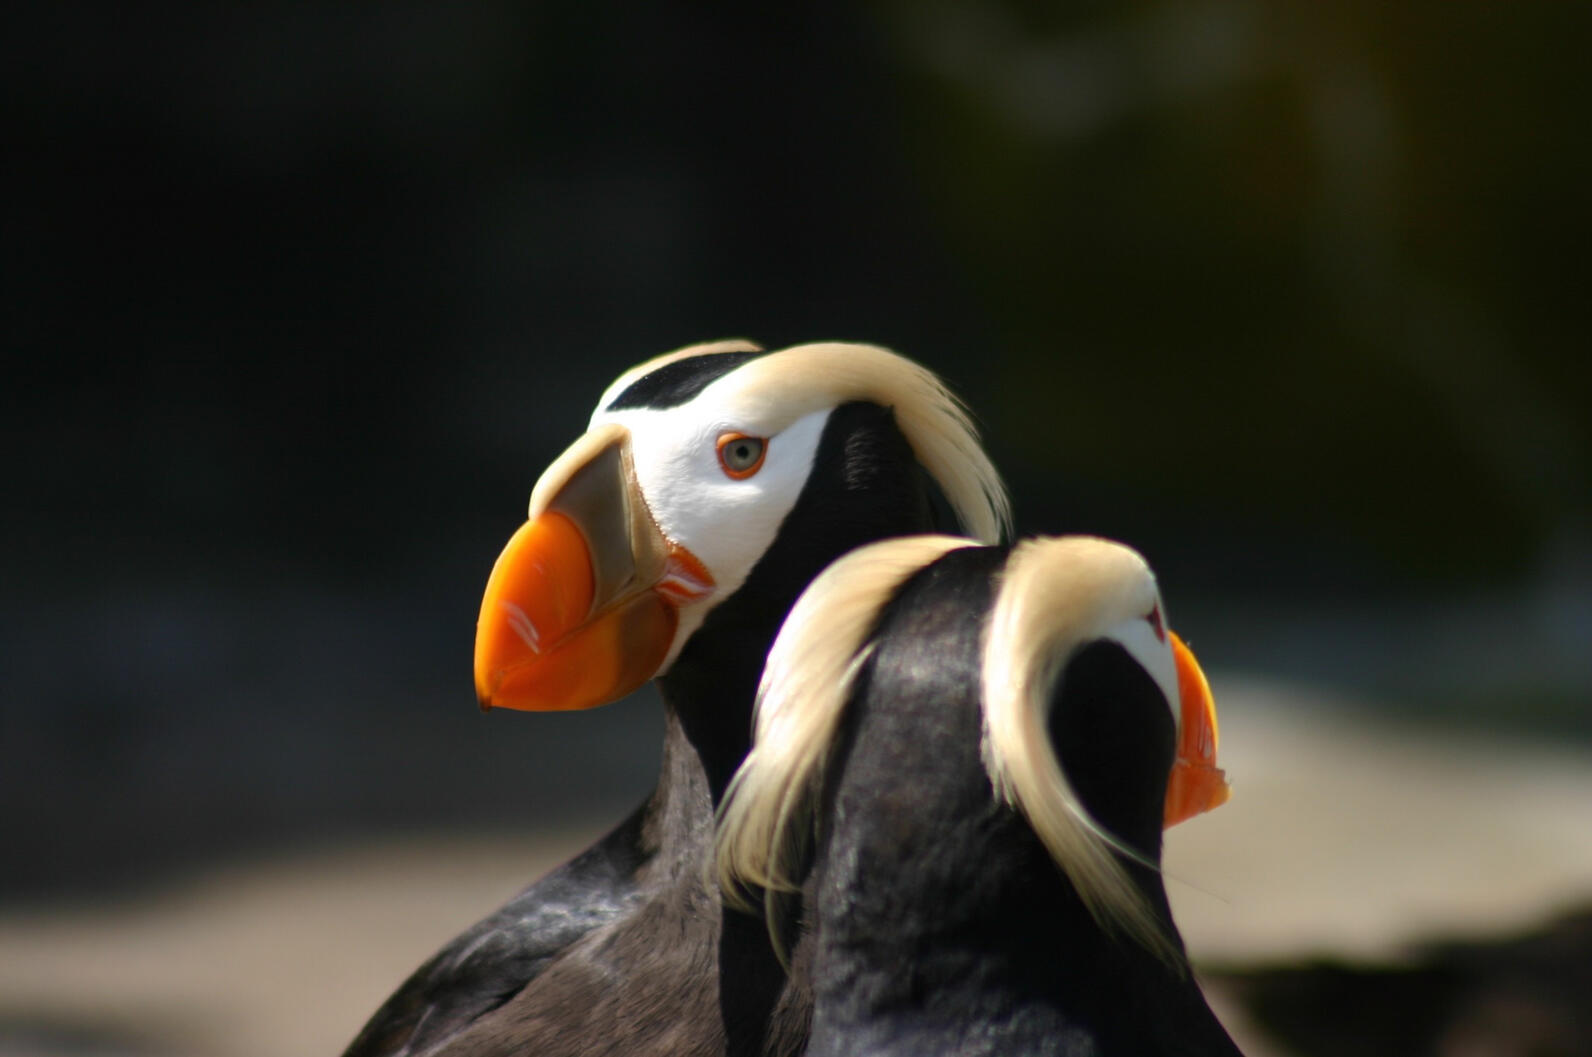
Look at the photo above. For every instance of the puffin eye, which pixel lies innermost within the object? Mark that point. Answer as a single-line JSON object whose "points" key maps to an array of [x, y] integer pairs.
{"points": [[741, 456]]}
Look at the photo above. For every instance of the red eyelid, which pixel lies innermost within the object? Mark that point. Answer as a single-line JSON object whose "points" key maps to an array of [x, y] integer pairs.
{"points": [[725, 440], [1156, 623]]}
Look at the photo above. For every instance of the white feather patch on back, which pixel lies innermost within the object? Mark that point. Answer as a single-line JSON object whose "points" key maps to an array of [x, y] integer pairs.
{"points": [[1056, 595], [806, 683]]}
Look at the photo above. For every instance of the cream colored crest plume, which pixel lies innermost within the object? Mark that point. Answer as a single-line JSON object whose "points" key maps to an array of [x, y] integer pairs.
{"points": [[783, 386], [1055, 595], [776, 389], [808, 678]]}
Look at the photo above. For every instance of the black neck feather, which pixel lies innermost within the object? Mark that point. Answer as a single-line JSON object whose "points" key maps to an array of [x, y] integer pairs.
{"points": [[865, 485], [1112, 729]]}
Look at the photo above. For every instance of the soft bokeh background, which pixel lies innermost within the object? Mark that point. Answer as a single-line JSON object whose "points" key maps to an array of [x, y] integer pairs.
{"points": [[298, 299]]}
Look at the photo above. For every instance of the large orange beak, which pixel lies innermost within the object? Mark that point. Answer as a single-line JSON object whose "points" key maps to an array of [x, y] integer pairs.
{"points": [[582, 605], [1197, 785]]}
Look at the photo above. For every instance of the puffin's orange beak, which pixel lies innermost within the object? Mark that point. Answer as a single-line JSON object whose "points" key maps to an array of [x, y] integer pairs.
{"points": [[1197, 785], [582, 605]]}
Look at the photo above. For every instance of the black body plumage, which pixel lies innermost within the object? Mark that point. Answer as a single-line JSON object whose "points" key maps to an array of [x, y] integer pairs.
{"points": [[939, 923], [624, 950]]}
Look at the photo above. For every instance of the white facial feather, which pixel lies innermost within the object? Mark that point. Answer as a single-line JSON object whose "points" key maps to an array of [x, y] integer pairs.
{"points": [[727, 524], [786, 397], [1154, 655]]}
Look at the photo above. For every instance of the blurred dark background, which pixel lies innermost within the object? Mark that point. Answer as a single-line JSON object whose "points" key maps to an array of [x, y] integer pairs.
{"points": [[299, 298]]}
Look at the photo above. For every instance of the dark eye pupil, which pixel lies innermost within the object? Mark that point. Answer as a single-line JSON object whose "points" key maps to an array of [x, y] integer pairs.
{"points": [[743, 454]]}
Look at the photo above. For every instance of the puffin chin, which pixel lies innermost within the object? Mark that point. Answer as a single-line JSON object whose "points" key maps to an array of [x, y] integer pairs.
{"points": [[688, 619]]}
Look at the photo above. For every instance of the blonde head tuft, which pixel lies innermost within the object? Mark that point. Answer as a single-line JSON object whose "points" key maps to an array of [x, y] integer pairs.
{"points": [[778, 388], [804, 378], [767, 812], [1055, 595]]}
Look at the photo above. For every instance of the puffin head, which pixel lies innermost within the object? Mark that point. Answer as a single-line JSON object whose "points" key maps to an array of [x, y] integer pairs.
{"points": [[663, 509], [1098, 726], [1060, 599]]}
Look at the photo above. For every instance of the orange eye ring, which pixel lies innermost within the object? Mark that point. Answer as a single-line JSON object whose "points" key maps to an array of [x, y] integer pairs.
{"points": [[741, 455]]}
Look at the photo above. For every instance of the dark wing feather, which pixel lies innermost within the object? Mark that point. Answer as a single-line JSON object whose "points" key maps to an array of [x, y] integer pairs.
{"points": [[488, 964]]}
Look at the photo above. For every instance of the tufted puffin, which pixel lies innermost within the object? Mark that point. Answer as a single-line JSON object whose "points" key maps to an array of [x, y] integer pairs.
{"points": [[968, 755], [669, 542]]}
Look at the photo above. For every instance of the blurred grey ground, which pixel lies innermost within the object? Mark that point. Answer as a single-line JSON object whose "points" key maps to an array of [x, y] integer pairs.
{"points": [[1350, 834]]}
